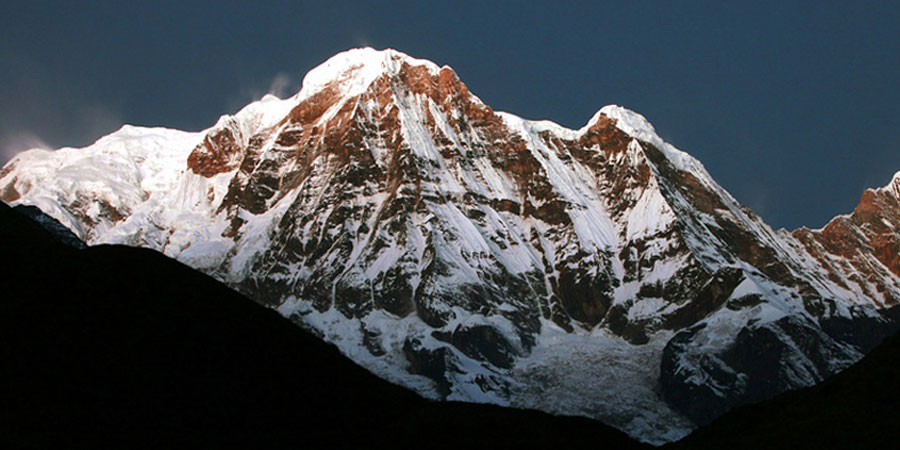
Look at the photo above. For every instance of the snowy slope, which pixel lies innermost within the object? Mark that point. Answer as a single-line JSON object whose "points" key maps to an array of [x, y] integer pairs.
{"points": [[474, 255]]}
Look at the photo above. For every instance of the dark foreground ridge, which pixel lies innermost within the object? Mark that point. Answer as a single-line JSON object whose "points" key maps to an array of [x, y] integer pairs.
{"points": [[122, 346]]}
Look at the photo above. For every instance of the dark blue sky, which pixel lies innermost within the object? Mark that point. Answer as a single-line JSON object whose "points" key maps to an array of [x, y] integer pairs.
{"points": [[793, 107]]}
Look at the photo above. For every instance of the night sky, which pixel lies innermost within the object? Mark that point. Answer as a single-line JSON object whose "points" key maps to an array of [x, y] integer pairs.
{"points": [[792, 107]]}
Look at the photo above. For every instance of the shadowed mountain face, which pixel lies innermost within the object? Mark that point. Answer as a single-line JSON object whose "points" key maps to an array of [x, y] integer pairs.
{"points": [[853, 409], [120, 346], [473, 255]]}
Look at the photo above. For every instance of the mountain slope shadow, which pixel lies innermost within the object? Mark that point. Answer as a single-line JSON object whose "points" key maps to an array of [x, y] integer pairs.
{"points": [[118, 345], [853, 409]]}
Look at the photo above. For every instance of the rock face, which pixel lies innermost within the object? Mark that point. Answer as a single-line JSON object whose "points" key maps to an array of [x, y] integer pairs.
{"points": [[473, 255]]}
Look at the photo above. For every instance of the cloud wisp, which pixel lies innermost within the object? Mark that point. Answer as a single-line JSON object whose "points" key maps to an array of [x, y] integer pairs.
{"points": [[15, 142]]}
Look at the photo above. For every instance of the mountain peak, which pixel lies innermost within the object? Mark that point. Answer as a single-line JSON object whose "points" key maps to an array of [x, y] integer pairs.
{"points": [[628, 121], [637, 126], [894, 185], [472, 255], [355, 69]]}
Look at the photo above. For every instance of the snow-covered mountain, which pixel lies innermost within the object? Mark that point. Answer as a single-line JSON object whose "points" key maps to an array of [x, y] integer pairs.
{"points": [[474, 255]]}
